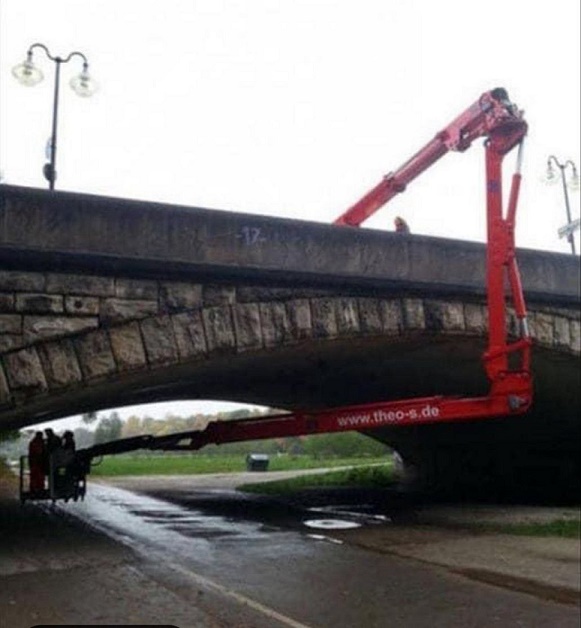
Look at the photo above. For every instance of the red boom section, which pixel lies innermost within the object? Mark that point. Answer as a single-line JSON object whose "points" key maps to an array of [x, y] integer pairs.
{"points": [[512, 397], [491, 113]]}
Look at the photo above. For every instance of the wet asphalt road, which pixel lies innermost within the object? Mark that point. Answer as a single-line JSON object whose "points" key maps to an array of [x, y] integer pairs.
{"points": [[261, 555]]}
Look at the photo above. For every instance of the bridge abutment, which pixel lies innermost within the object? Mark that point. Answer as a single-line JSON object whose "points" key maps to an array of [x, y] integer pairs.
{"points": [[493, 473]]}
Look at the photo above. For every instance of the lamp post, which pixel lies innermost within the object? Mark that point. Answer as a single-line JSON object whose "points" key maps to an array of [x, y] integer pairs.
{"points": [[26, 73], [551, 177]]}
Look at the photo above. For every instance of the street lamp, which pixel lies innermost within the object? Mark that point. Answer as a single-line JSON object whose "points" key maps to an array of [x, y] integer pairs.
{"points": [[83, 85], [573, 183]]}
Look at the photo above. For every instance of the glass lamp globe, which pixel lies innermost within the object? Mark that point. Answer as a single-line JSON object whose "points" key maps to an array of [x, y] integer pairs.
{"points": [[83, 85], [26, 73], [551, 177]]}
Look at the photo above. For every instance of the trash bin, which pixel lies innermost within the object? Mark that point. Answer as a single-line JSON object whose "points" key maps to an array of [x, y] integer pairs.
{"points": [[257, 462]]}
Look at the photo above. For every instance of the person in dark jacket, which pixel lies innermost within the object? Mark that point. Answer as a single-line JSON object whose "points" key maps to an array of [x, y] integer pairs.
{"points": [[53, 443], [401, 226], [69, 441], [36, 463]]}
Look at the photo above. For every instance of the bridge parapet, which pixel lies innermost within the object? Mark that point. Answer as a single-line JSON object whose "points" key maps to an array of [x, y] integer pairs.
{"points": [[64, 231]]}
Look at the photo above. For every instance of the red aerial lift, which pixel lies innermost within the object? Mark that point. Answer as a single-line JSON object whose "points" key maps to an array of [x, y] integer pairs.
{"points": [[496, 119]]}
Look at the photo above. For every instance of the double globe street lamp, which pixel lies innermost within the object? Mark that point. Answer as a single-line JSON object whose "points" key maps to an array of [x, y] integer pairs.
{"points": [[573, 183], [26, 73]]}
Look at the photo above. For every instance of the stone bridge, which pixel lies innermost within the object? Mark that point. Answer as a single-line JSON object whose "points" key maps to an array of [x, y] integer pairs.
{"points": [[108, 302]]}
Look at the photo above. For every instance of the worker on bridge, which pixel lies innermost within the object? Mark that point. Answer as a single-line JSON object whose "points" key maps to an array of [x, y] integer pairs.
{"points": [[401, 226]]}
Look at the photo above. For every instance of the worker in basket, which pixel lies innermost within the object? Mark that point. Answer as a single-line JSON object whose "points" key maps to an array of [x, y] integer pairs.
{"points": [[36, 463]]}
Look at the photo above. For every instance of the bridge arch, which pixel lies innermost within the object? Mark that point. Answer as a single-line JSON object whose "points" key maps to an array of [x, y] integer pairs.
{"points": [[285, 349]]}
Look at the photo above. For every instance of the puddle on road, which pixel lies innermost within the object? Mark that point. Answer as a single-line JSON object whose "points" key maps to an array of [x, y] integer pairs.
{"points": [[206, 533], [349, 514], [322, 537], [148, 521], [191, 533], [331, 524], [343, 517], [187, 533], [155, 515]]}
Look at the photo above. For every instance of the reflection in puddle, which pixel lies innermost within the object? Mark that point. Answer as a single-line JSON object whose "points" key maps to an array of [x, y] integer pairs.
{"points": [[196, 533], [331, 524], [322, 537], [155, 514], [143, 522], [353, 513]]}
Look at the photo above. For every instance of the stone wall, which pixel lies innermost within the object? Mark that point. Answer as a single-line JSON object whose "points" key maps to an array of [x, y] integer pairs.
{"points": [[63, 331]]}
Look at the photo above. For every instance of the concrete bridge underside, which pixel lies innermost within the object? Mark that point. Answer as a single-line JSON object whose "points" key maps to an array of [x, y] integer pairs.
{"points": [[98, 322]]}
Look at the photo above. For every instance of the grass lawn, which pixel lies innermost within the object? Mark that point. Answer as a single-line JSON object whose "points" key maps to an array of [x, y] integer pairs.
{"points": [[564, 528], [362, 476], [197, 464]]}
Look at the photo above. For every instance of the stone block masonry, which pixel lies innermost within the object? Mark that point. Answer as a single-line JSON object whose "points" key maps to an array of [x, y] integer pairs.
{"points": [[63, 331], [36, 307]]}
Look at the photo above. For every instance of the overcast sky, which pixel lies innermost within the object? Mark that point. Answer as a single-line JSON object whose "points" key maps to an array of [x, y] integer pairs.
{"points": [[294, 108]]}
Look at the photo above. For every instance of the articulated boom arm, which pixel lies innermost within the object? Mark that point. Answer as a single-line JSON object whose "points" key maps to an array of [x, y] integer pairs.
{"points": [[491, 114], [509, 400], [493, 117]]}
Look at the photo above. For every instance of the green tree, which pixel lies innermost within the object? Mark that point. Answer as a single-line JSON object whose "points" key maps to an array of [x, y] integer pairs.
{"points": [[132, 427], [90, 417], [344, 445], [84, 437], [109, 428], [9, 435]]}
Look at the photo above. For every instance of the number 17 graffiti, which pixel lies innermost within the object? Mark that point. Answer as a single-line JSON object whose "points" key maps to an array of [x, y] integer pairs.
{"points": [[251, 235]]}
